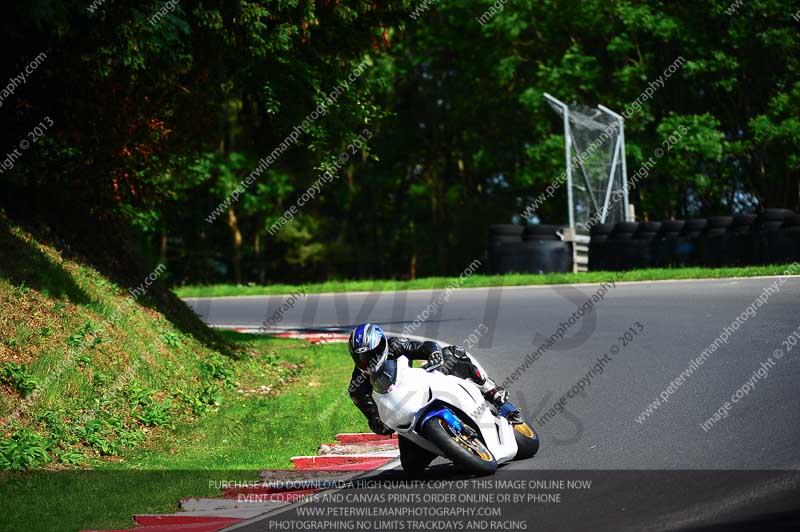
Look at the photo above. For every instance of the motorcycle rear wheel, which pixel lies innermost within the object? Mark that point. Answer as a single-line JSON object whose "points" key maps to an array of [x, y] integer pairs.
{"points": [[463, 449], [413, 458]]}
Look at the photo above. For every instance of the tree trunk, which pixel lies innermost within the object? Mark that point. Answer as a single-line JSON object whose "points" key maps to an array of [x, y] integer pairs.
{"points": [[163, 248], [262, 274], [236, 236]]}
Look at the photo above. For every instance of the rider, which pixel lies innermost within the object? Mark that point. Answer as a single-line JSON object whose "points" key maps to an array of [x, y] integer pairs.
{"points": [[369, 347]]}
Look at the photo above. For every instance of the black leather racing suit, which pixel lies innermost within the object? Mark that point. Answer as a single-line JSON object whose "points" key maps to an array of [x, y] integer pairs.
{"points": [[456, 362]]}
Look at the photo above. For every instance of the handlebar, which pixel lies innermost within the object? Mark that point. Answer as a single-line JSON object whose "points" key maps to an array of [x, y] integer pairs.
{"points": [[430, 368]]}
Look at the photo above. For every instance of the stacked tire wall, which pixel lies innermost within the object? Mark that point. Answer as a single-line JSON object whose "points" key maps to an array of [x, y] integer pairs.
{"points": [[771, 237], [529, 249]]}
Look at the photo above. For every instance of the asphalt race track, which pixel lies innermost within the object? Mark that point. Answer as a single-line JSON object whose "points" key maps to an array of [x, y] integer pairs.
{"points": [[669, 324]]}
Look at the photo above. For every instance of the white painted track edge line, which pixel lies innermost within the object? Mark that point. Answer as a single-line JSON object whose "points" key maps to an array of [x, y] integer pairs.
{"points": [[510, 286]]}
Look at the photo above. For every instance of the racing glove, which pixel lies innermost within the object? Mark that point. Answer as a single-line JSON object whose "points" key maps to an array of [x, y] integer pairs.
{"points": [[435, 360], [457, 351]]}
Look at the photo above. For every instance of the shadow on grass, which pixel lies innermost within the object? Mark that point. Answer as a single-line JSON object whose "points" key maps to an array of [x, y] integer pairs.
{"points": [[115, 252], [24, 264], [110, 249], [67, 501], [161, 299]]}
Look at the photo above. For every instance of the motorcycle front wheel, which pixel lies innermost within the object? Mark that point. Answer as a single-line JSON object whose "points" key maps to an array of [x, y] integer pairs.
{"points": [[463, 448], [527, 441]]}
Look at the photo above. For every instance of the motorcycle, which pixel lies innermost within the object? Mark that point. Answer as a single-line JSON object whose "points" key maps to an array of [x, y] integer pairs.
{"points": [[435, 414]]}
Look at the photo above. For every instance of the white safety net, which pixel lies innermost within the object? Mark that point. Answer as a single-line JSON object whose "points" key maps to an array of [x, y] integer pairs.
{"points": [[597, 176]]}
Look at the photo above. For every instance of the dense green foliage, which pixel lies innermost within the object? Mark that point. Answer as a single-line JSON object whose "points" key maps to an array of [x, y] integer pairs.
{"points": [[158, 119]]}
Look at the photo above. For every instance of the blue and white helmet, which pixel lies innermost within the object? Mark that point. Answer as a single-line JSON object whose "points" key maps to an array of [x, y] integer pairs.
{"points": [[368, 346]]}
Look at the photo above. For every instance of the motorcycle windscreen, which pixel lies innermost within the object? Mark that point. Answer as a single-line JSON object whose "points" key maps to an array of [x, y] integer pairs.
{"points": [[384, 377]]}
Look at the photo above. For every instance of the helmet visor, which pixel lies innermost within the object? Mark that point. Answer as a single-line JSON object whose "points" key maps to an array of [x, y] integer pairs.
{"points": [[371, 359]]}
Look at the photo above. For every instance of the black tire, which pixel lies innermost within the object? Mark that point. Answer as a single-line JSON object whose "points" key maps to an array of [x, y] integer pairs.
{"points": [[742, 223], [545, 256], [719, 222], [694, 226], [623, 231], [744, 219], [508, 257], [648, 227], [540, 232], [413, 458], [547, 238], [506, 230], [494, 240], [647, 231], [598, 254], [672, 226], [769, 225], [626, 227], [792, 221], [777, 215], [477, 460], [773, 219], [601, 229], [498, 238], [527, 441], [641, 235]]}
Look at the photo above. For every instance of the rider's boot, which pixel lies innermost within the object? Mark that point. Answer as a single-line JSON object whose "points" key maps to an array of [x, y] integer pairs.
{"points": [[499, 398]]}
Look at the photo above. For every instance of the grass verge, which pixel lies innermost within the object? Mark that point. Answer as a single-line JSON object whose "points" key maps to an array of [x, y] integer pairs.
{"points": [[474, 281], [259, 428], [109, 407], [87, 372], [260, 423]]}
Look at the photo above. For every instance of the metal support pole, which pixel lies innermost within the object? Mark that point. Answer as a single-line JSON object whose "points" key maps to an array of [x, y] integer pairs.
{"points": [[624, 172], [568, 155], [611, 176], [621, 121], [568, 147]]}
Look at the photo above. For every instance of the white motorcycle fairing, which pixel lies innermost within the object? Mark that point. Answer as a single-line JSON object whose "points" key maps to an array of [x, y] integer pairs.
{"points": [[416, 390]]}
